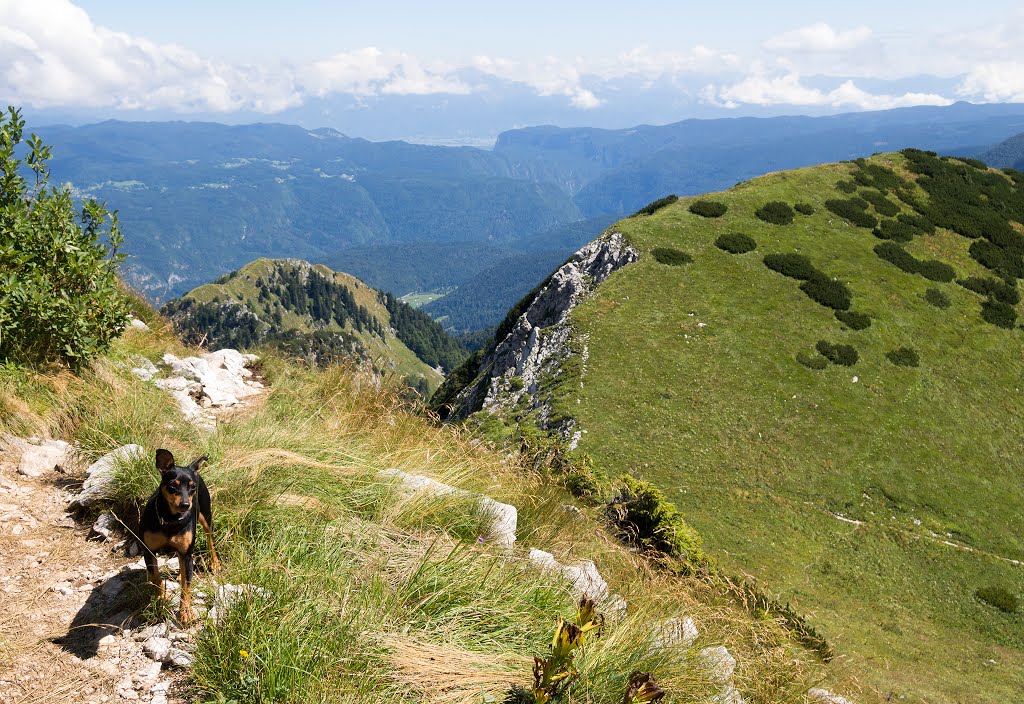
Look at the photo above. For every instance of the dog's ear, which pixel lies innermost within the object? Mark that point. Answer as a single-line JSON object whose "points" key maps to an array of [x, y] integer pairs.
{"points": [[195, 464], [164, 460]]}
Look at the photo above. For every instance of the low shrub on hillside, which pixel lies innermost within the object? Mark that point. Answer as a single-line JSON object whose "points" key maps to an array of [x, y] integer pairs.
{"points": [[883, 205], [895, 230], [881, 177], [804, 208], [645, 517], [811, 361], [844, 355], [671, 256], [828, 292], [997, 259], [795, 266], [992, 288], [654, 206], [736, 243], [999, 597], [934, 270], [903, 357], [937, 298], [976, 163], [775, 212], [708, 208], [846, 186], [919, 222], [853, 319], [998, 313], [904, 260], [853, 210]]}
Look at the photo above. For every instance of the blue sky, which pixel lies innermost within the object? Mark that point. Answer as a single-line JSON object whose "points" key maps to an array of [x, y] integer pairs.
{"points": [[481, 67]]}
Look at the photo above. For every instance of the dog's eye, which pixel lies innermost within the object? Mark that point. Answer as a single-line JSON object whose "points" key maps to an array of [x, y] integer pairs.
{"points": [[191, 485], [175, 483]]}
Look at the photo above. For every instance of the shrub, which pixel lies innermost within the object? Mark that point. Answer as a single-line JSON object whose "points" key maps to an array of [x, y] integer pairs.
{"points": [[937, 298], [804, 208], [847, 186], [930, 268], [644, 516], [845, 355], [881, 177], [895, 230], [976, 163], [795, 266], [670, 256], [811, 361], [854, 320], [883, 205], [708, 208], [935, 270], [998, 313], [852, 209], [60, 297], [828, 292], [904, 357], [736, 243], [919, 222], [999, 597], [992, 288], [775, 212], [995, 258], [654, 206]]}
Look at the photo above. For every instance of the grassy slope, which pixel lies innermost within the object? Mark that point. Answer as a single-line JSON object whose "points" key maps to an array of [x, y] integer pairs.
{"points": [[377, 599], [242, 287], [758, 450]]}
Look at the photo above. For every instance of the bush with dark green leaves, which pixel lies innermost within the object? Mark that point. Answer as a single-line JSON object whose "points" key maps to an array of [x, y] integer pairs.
{"points": [[811, 361], [853, 319], [934, 270], [708, 208], [644, 516], [804, 208], [671, 256], [844, 355], [60, 297], [991, 288], [901, 258], [904, 357], [846, 186], [828, 292], [919, 222], [654, 206], [976, 163], [736, 242], [937, 298], [895, 230], [852, 209], [795, 266], [998, 313], [883, 205], [775, 212], [999, 597], [881, 177]]}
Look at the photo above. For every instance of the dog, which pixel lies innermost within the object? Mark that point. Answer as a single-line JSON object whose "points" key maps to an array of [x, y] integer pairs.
{"points": [[169, 524]]}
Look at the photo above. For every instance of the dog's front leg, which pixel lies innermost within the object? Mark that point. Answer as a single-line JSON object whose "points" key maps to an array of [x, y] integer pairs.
{"points": [[153, 570], [185, 567]]}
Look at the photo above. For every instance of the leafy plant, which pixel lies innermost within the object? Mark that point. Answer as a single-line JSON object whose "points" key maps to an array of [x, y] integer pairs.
{"points": [[937, 298], [644, 516], [998, 313], [853, 319], [811, 361], [993, 288], [642, 688], [904, 357], [929, 268], [828, 292], [852, 209], [671, 256], [804, 208], [736, 243], [60, 297], [708, 208], [846, 186], [795, 266], [883, 205], [844, 355], [999, 597], [775, 212], [654, 206], [553, 674]]}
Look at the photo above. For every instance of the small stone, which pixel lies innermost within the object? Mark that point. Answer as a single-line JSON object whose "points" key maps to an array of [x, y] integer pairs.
{"points": [[157, 648], [823, 696], [38, 459], [718, 663], [176, 657], [107, 641], [104, 526], [138, 324], [158, 630], [675, 632]]}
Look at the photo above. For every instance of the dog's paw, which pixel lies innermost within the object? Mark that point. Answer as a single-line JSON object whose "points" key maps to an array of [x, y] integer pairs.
{"points": [[186, 616], [215, 565]]}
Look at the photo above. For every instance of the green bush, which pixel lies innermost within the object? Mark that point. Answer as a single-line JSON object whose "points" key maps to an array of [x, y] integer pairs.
{"points": [[998, 313], [847, 186], [919, 222], [844, 355], [904, 357], [828, 292], [670, 256], [854, 320], [995, 258], [708, 208], [883, 205], [895, 230], [654, 206], [934, 270], [644, 516], [60, 297], [795, 266], [881, 177], [976, 163], [937, 298], [804, 208], [775, 212], [999, 597], [811, 361], [992, 288], [852, 209], [736, 243], [901, 258]]}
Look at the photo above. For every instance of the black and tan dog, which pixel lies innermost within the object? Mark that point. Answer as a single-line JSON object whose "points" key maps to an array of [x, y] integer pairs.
{"points": [[169, 524]]}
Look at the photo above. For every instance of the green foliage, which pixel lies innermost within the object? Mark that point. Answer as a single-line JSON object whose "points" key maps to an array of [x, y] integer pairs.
{"points": [[852, 209], [998, 313], [828, 292], [992, 288], [846, 186], [60, 297], [644, 516], [708, 208], [443, 399], [671, 256], [976, 163], [853, 319], [845, 355], [804, 208], [937, 298], [736, 243], [811, 361], [654, 206], [919, 222], [877, 176], [795, 266], [999, 597], [423, 335], [883, 205], [929, 268], [775, 212], [904, 357]]}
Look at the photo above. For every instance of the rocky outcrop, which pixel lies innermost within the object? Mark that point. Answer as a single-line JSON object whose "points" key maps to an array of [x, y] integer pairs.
{"points": [[99, 482], [539, 339]]}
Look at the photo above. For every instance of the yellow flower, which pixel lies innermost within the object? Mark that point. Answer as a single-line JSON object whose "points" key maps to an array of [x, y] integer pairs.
{"points": [[244, 653]]}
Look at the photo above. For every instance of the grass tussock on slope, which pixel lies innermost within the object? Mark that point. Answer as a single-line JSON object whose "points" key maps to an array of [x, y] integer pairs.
{"points": [[372, 596], [693, 381]]}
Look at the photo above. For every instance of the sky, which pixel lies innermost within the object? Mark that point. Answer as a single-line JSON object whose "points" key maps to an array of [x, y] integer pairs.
{"points": [[475, 66]]}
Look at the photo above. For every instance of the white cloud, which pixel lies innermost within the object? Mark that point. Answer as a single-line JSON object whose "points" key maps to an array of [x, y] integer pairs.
{"points": [[371, 71], [994, 82], [818, 37], [762, 90], [550, 76]]}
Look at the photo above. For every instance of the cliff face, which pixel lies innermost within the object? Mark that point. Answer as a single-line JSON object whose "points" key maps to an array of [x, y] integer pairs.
{"points": [[539, 343]]}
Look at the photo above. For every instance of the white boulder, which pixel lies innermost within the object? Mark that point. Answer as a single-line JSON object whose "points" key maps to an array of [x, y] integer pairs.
{"points": [[583, 576], [100, 473], [37, 459], [823, 696], [718, 663], [675, 632]]}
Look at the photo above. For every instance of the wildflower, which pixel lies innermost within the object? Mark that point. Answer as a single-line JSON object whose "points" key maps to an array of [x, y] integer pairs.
{"points": [[244, 653]]}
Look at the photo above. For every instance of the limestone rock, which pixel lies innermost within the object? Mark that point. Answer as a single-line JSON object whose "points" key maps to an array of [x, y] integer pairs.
{"points": [[675, 632], [157, 648], [138, 324], [144, 369], [37, 459], [718, 663], [176, 657], [823, 696], [728, 695], [105, 526], [583, 576], [100, 473]]}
